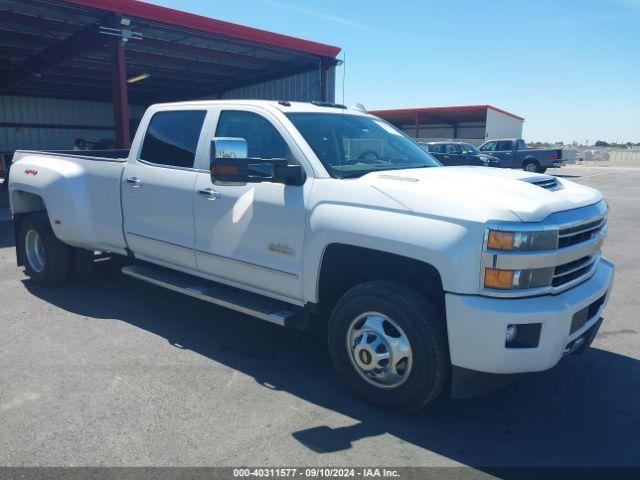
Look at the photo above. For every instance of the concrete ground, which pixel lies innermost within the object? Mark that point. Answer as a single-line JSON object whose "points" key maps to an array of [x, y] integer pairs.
{"points": [[114, 372]]}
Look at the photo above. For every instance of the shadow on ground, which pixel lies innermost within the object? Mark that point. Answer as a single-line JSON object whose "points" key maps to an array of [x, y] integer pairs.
{"points": [[584, 412]]}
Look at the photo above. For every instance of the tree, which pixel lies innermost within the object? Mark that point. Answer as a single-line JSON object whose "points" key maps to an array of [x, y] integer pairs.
{"points": [[601, 143]]}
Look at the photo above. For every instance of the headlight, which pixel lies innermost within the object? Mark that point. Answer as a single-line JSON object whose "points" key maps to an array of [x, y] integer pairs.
{"points": [[517, 279], [522, 241]]}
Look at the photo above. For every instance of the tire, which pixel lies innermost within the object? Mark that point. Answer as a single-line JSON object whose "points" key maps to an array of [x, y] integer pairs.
{"points": [[532, 166], [542, 169], [422, 326], [51, 265]]}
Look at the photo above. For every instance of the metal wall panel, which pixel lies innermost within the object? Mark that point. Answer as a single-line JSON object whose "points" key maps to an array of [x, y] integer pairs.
{"points": [[500, 125], [303, 87], [53, 111]]}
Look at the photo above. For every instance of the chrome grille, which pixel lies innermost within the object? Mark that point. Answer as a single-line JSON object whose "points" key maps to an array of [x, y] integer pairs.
{"points": [[580, 233], [575, 258], [571, 271]]}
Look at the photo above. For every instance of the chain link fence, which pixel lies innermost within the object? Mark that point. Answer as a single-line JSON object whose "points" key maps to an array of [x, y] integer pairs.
{"points": [[602, 156]]}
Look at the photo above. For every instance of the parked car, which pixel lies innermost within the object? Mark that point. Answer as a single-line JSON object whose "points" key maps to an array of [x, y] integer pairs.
{"points": [[459, 153], [513, 153], [426, 278]]}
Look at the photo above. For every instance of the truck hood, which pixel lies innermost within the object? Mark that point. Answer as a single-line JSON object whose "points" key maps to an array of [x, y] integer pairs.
{"points": [[481, 193]]}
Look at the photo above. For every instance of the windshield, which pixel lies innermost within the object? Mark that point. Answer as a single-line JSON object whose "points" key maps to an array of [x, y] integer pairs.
{"points": [[468, 148], [354, 145]]}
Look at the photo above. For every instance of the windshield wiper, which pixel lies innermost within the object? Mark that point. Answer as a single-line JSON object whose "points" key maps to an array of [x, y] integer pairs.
{"points": [[360, 173]]}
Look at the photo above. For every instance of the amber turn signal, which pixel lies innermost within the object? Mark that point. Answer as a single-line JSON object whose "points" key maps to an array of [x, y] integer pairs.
{"points": [[496, 278], [500, 240]]}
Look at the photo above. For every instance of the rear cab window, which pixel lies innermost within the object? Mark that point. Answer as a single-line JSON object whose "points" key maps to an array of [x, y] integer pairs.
{"points": [[172, 138]]}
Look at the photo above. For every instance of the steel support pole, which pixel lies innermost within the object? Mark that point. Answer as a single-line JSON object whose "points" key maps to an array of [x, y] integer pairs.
{"points": [[119, 88]]}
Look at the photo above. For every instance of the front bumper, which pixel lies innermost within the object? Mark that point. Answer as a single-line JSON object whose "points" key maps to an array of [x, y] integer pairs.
{"points": [[477, 326]]}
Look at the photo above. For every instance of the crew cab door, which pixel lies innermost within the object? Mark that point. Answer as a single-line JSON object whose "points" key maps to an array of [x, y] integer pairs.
{"points": [[453, 155], [252, 234], [503, 149], [437, 150], [157, 189]]}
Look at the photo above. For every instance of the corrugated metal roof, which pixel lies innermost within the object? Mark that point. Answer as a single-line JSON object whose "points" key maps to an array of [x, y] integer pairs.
{"points": [[62, 49], [150, 11], [455, 113]]}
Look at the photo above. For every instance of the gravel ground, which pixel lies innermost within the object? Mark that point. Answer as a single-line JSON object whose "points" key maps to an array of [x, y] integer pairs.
{"points": [[114, 372]]}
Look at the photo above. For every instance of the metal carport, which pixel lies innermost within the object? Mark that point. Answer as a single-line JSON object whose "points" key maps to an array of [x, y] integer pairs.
{"points": [[128, 52], [470, 123]]}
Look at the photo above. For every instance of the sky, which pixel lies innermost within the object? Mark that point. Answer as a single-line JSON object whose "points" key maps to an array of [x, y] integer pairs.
{"points": [[571, 68]]}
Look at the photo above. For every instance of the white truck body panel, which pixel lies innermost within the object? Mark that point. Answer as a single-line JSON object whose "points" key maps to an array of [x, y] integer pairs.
{"points": [[270, 238], [81, 193]]}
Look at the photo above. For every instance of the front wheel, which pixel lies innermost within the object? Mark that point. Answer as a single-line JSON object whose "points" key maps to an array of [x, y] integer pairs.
{"points": [[46, 259], [389, 344]]}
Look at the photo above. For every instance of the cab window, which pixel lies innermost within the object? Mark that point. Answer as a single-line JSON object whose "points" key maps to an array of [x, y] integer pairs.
{"points": [[172, 138], [263, 140], [489, 147], [451, 149], [504, 145]]}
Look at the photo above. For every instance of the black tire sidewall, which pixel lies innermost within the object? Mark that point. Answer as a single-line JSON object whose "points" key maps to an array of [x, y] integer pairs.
{"points": [[56, 254], [419, 322]]}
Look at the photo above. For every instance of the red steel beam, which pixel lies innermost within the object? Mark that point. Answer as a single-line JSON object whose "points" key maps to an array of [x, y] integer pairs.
{"points": [[120, 98]]}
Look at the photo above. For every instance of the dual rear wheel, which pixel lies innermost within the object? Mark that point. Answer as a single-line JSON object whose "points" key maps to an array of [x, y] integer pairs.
{"points": [[47, 260]]}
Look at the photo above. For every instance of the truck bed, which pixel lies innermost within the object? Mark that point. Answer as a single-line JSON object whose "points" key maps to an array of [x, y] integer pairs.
{"points": [[82, 193]]}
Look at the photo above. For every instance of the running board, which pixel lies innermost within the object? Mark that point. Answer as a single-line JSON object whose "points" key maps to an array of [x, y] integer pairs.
{"points": [[259, 306]]}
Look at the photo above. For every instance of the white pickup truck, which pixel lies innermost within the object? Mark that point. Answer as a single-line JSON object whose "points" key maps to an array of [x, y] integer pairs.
{"points": [[428, 278]]}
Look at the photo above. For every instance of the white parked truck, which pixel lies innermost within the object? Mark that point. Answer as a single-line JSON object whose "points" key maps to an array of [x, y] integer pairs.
{"points": [[426, 277]]}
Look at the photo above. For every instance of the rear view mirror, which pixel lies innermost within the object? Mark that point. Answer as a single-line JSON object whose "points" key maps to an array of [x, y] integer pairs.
{"points": [[229, 164], [229, 147], [256, 170]]}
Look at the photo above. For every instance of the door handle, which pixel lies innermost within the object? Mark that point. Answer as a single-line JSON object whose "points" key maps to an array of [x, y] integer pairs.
{"points": [[210, 193], [135, 182]]}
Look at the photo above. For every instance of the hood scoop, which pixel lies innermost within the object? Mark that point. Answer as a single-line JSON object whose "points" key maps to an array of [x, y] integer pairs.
{"points": [[547, 182]]}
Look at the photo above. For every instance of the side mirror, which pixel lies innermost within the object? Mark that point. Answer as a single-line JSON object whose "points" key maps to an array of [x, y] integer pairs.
{"points": [[229, 147], [229, 164]]}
